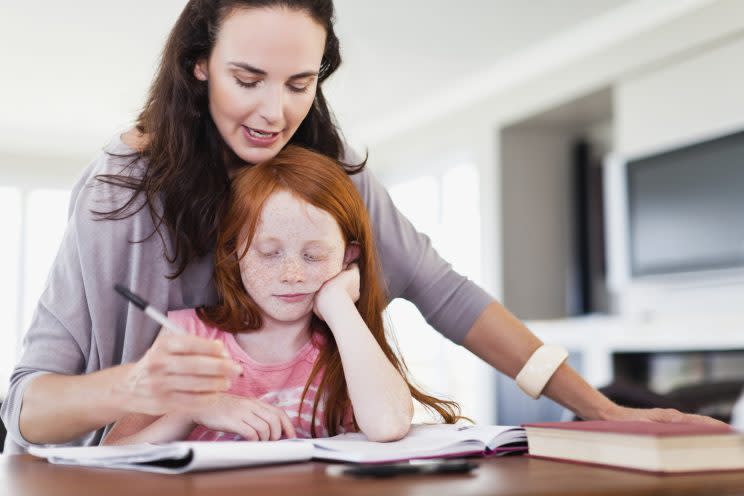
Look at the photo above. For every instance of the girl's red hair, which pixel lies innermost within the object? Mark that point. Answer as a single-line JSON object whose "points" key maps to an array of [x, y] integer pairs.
{"points": [[323, 183]]}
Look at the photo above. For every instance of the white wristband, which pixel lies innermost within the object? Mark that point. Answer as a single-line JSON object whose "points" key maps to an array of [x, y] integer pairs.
{"points": [[540, 368]]}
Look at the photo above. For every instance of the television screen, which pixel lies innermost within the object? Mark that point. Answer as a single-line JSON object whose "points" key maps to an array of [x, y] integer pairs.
{"points": [[686, 208]]}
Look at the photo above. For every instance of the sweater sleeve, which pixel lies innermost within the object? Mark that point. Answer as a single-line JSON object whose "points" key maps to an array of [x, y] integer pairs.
{"points": [[59, 335], [413, 269], [78, 323]]}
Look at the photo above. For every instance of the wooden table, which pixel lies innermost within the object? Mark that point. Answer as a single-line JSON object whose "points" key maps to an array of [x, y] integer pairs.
{"points": [[23, 475]]}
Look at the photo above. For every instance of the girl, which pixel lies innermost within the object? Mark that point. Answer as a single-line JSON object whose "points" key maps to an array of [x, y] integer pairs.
{"points": [[294, 245], [238, 81]]}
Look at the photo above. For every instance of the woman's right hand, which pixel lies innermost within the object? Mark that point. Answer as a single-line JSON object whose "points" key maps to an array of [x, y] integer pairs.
{"points": [[178, 372], [252, 419]]}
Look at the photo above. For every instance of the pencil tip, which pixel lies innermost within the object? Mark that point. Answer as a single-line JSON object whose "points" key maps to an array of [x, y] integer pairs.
{"points": [[126, 293]]}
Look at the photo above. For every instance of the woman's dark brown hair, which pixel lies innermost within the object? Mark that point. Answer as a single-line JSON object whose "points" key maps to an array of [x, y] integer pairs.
{"points": [[323, 183], [185, 184]]}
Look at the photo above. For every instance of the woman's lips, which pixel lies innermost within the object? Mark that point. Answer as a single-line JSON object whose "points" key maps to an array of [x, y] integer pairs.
{"points": [[260, 137]]}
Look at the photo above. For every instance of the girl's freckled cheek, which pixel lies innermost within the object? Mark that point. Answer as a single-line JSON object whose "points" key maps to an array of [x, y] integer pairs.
{"points": [[257, 271], [324, 271]]}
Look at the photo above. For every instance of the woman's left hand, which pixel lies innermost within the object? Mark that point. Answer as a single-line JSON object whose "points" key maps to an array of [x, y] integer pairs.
{"points": [[659, 415], [345, 284]]}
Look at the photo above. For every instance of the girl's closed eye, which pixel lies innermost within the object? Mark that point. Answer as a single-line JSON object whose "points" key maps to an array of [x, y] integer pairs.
{"points": [[314, 257], [269, 253]]}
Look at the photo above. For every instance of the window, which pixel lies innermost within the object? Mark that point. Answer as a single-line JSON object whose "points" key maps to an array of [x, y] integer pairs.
{"points": [[46, 219], [10, 249], [446, 207], [33, 224]]}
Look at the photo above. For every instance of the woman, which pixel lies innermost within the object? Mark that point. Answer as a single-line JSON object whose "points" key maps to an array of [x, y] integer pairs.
{"points": [[237, 82]]}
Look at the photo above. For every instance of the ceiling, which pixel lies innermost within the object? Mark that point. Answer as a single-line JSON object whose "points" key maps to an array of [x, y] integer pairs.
{"points": [[400, 53], [78, 73]]}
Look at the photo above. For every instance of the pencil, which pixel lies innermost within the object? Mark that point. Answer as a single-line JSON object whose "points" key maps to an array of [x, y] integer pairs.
{"points": [[151, 312]]}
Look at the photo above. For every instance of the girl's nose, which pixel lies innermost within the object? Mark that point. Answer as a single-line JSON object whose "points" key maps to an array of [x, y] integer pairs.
{"points": [[292, 271]]}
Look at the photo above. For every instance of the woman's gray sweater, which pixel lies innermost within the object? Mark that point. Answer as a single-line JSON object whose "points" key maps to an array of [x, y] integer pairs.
{"points": [[82, 325]]}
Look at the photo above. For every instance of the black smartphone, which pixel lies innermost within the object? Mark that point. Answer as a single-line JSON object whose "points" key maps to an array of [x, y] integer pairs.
{"points": [[413, 467]]}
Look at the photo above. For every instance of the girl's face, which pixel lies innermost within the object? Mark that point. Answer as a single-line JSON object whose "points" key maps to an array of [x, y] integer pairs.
{"points": [[296, 248], [262, 74]]}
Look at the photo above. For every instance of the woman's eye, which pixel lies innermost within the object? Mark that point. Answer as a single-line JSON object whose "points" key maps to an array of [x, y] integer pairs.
{"points": [[269, 254], [313, 258], [246, 84], [298, 89]]}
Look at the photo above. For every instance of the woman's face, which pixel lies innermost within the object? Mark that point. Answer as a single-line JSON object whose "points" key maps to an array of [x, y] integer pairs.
{"points": [[295, 249], [262, 75]]}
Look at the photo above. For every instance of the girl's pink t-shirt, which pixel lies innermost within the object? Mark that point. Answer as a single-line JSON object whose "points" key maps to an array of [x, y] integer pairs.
{"points": [[278, 384]]}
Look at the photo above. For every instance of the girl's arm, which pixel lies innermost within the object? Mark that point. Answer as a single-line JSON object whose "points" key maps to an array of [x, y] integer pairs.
{"points": [[140, 428], [381, 399], [250, 418]]}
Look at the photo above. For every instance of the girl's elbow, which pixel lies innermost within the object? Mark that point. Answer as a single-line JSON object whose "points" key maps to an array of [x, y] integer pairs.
{"points": [[387, 434], [400, 432], [392, 429]]}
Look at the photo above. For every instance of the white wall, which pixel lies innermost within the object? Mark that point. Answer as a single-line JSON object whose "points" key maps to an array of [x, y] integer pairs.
{"points": [[538, 238], [681, 102], [689, 100], [42, 171]]}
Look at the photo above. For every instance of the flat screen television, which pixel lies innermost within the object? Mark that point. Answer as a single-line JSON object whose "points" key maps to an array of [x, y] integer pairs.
{"points": [[677, 211], [686, 208]]}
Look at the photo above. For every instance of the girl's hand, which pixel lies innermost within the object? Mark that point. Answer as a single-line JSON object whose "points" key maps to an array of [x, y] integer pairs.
{"points": [[345, 284], [659, 415], [177, 372], [252, 419]]}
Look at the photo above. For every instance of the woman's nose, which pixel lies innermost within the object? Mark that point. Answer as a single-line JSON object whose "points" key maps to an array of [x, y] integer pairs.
{"points": [[272, 105]]}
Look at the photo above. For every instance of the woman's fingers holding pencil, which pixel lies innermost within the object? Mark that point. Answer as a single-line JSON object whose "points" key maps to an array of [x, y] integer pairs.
{"points": [[179, 364], [191, 384], [202, 366], [191, 355], [190, 345]]}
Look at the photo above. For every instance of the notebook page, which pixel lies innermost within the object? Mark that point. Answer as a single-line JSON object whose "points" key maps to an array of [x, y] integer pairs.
{"points": [[108, 455], [421, 442], [178, 457], [225, 454]]}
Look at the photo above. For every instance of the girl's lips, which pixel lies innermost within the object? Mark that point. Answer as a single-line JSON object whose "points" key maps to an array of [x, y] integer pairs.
{"points": [[258, 137], [293, 298]]}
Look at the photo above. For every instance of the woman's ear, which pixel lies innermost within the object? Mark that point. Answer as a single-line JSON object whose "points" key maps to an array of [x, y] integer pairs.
{"points": [[352, 253], [201, 72]]}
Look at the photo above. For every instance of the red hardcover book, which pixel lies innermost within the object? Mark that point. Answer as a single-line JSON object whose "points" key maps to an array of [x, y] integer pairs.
{"points": [[646, 446]]}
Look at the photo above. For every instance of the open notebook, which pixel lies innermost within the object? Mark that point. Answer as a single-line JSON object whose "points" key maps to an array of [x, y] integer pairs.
{"points": [[423, 441]]}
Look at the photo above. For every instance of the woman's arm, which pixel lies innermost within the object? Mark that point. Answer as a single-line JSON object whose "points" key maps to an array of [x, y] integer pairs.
{"points": [[82, 404], [176, 372], [382, 402], [81, 326], [503, 341]]}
